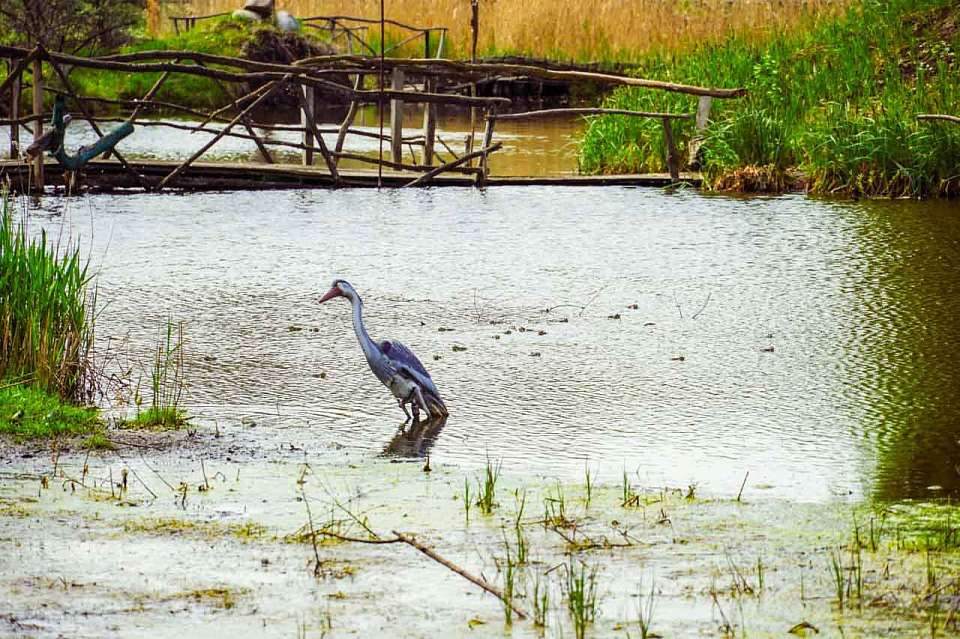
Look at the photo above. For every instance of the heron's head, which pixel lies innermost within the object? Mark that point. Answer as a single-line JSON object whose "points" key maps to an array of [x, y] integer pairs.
{"points": [[339, 288]]}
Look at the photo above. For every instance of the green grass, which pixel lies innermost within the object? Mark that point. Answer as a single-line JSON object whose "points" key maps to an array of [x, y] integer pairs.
{"points": [[219, 36], [154, 418], [835, 101], [29, 412]]}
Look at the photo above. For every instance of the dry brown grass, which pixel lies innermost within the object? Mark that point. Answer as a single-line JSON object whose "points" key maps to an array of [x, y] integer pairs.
{"points": [[581, 29]]}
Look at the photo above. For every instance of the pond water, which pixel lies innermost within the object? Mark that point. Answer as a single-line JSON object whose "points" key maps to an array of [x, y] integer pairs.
{"points": [[542, 147], [689, 339]]}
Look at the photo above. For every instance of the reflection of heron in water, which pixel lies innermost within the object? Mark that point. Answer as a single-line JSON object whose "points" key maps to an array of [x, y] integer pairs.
{"points": [[393, 363], [415, 441]]}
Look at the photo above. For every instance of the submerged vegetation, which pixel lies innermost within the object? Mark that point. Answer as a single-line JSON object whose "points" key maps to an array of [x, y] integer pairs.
{"points": [[832, 106]]}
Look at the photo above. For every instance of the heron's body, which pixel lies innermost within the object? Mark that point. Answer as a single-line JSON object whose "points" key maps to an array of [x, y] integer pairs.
{"points": [[394, 364]]}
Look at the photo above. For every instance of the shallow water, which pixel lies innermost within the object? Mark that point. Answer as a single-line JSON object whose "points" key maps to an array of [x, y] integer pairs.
{"points": [[856, 300]]}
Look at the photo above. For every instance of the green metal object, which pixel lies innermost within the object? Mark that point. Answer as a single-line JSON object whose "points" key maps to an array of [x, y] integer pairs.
{"points": [[85, 153]]}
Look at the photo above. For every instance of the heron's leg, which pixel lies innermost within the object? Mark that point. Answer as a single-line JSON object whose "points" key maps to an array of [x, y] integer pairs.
{"points": [[403, 407], [419, 402]]}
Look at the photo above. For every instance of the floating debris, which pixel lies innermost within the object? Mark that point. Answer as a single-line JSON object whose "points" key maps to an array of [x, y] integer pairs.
{"points": [[535, 354], [678, 358], [649, 323], [209, 358], [541, 333], [615, 316], [444, 329], [766, 349], [248, 421], [633, 307], [294, 329], [437, 357], [459, 349], [496, 337]]}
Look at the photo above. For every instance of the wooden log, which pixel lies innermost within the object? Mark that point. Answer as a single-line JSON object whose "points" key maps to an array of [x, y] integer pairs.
{"points": [[434, 65], [311, 122], [429, 126], [396, 118], [15, 88], [306, 121], [588, 111], [190, 160], [938, 116], [37, 91], [89, 117], [673, 163], [398, 166], [452, 165]]}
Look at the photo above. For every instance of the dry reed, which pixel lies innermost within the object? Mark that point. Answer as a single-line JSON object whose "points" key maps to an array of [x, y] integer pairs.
{"points": [[586, 30]]}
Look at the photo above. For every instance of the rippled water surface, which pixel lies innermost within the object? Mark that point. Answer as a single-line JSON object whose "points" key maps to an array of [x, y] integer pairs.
{"points": [[687, 338]]}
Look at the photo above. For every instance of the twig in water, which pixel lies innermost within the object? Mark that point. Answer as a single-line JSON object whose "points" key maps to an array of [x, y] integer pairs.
{"points": [[705, 302], [592, 298], [677, 304], [742, 485], [493, 590], [313, 534]]}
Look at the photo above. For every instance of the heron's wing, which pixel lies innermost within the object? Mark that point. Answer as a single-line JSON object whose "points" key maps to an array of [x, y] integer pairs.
{"points": [[408, 364], [401, 355]]}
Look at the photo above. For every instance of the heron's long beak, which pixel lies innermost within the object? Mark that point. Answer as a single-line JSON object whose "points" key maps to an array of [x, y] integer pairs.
{"points": [[332, 293]]}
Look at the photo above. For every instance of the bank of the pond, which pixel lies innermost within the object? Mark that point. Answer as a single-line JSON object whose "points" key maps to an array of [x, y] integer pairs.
{"points": [[831, 108], [316, 547]]}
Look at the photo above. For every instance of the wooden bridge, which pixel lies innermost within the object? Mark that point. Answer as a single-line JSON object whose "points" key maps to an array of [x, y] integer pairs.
{"points": [[348, 80]]}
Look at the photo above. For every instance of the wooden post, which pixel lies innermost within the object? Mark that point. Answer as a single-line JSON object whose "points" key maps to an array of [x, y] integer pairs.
{"points": [[15, 115], [671, 150], [153, 17], [37, 91], [703, 116], [306, 119], [474, 36], [396, 118], [348, 120], [426, 43], [443, 36], [429, 125], [487, 140]]}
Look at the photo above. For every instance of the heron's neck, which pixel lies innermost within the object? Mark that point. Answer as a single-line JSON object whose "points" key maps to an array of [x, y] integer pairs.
{"points": [[369, 347]]}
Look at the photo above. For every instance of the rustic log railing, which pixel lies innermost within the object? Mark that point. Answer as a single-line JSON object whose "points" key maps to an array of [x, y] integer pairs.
{"points": [[938, 116], [313, 81]]}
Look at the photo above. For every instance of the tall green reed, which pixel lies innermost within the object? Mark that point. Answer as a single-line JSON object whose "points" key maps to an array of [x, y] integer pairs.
{"points": [[46, 318]]}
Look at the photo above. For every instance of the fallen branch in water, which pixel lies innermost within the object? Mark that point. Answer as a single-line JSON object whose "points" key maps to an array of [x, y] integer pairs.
{"points": [[493, 590], [396, 539]]}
